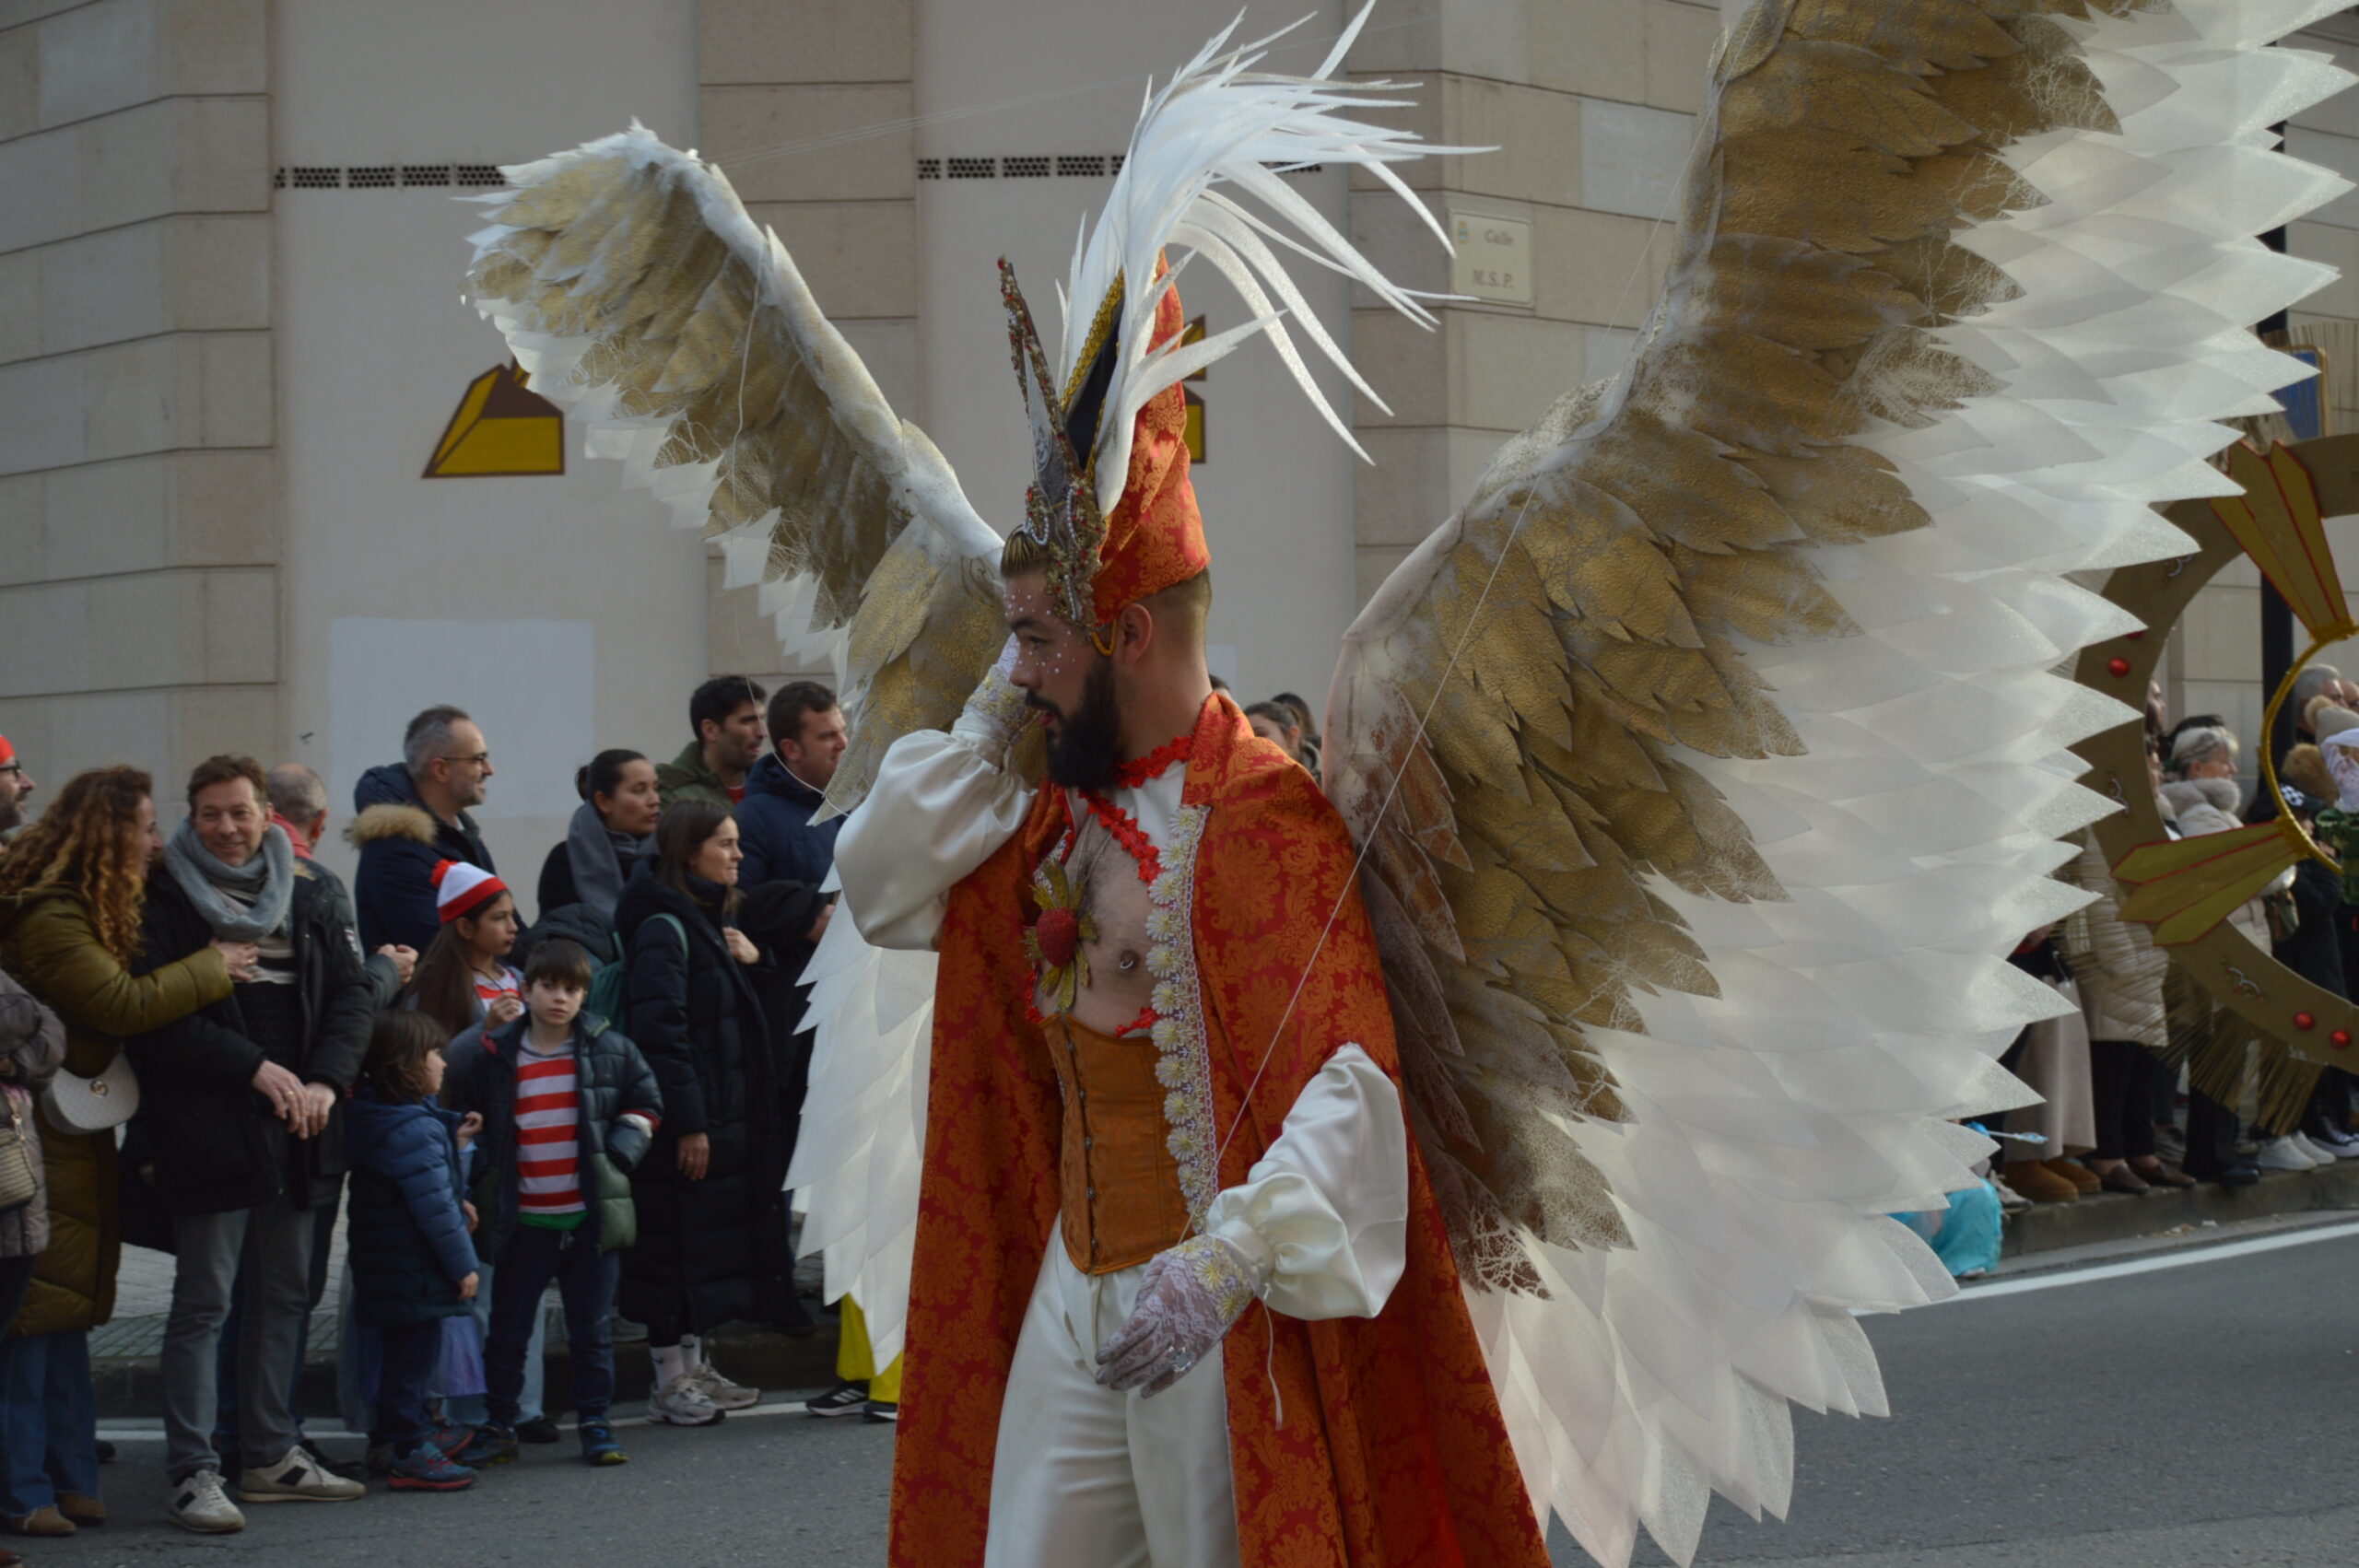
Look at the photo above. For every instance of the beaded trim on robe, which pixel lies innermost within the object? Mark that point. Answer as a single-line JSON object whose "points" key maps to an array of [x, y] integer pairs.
{"points": [[1184, 1063]]}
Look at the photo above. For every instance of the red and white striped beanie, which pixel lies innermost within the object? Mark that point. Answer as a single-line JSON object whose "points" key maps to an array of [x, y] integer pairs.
{"points": [[461, 889]]}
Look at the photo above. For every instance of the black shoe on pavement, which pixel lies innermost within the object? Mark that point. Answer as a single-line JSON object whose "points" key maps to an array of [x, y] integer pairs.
{"points": [[351, 1469], [2241, 1174], [106, 1452], [598, 1445], [880, 1410], [540, 1429], [494, 1442], [843, 1399]]}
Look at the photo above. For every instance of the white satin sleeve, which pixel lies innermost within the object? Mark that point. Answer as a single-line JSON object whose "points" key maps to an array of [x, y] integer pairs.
{"points": [[941, 804], [1322, 1219]]}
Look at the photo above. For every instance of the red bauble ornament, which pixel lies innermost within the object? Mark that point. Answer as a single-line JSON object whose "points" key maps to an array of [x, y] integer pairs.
{"points": [[2119, 665], [2304, 1021], [2137, 636], [2340, 1039], [1059, 933]]}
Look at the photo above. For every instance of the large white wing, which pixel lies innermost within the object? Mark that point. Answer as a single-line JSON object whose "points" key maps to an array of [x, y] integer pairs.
{"points": [[634, 289], [1708, 761]]}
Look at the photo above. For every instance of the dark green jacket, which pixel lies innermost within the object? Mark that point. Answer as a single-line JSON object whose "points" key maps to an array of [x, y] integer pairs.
{"points": [[685, 777], [49, 943]]}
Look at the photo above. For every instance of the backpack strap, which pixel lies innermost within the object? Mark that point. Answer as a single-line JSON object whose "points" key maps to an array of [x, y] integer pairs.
{"points": [[673, 921]]}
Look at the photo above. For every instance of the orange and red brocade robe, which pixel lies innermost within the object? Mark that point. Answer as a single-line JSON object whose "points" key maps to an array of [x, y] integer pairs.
{"points": [[1393, 1450]]}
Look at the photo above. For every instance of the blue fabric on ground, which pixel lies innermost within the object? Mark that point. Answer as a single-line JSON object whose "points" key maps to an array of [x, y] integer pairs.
{"points": [[1966, 1236]]}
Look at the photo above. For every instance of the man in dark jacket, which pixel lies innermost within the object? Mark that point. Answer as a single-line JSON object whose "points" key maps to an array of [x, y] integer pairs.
{"points": [[788, 857], [785, 849], [726, 713], [412, 816], [243, 1105]]}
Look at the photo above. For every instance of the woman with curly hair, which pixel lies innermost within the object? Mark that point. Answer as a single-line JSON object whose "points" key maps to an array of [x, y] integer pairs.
{"points": [[71, 891]]}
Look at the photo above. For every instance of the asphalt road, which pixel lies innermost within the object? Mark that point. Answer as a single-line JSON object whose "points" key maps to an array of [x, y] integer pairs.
{"points": [[2187, 1418]]}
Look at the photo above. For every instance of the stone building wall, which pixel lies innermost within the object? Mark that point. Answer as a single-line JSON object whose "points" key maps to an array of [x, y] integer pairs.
{"points": [[139, 608]]}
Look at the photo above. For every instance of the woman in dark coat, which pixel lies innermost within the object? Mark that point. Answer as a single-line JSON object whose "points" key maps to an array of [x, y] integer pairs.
{"points": [[611, 832], [711, 1245]]}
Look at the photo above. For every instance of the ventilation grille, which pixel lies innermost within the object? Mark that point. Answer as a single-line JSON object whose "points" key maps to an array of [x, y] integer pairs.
{"points": [[1041, 166], [387, 176], [485, 176]]}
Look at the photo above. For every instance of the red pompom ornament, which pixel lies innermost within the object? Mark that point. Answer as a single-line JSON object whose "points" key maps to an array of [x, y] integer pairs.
{"points": [[2340, 1039], [2304, 1021], [1058, 933], [2119, 665]]}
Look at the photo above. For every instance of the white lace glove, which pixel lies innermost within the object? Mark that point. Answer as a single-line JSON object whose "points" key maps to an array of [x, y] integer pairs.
{"points": [[1188, 1297], [994, 714]]}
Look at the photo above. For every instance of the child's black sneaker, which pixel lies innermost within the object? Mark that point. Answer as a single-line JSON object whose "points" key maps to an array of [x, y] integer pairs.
{"points": [[882, 1410], [428, 1469], [540, 1429], [493, 1444], [598, 1445], [843, 1399]]}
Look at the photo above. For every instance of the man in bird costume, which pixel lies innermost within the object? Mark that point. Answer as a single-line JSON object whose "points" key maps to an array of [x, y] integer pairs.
{"points": [[1181, 1291]]}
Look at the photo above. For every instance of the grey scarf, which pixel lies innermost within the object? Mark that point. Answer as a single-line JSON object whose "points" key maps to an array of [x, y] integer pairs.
{"points": [[599, 859], [267, 879]]}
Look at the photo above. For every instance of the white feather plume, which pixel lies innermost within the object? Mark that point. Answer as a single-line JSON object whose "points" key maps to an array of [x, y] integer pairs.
{"points": [[1218, 122]]}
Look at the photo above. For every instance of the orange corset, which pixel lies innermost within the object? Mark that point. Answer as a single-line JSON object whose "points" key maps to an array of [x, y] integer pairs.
{"points": [[1119, 1182]]}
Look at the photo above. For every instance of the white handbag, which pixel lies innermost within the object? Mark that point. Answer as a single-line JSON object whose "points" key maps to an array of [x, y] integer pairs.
{"points": [[74, 1103]]}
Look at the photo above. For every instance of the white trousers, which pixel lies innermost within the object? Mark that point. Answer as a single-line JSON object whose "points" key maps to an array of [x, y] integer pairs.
{"points": [[1087, 1478]]}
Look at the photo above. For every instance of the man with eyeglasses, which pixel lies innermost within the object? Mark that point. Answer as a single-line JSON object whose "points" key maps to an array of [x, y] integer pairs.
{"points": [[413, 815], [15, 788]]}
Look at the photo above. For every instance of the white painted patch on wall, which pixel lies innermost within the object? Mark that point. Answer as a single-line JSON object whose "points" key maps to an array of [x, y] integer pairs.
{"points": [[531, 684]]}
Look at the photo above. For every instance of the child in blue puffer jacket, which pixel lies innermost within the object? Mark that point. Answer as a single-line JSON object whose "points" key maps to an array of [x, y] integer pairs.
{"points": [[406, 1237]]}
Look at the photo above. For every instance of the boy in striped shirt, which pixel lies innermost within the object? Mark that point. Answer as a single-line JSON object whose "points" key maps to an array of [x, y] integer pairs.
{"points": [[569, 1107]]}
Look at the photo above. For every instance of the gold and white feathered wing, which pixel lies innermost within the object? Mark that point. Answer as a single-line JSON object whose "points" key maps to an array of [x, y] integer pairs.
{"points": [[1707, 762], [639, 294]]}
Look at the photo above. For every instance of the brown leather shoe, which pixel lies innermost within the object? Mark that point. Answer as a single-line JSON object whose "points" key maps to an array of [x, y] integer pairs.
{"points": [[2120, 1177], [80, 1509], [2037, 1182], [2154, 1173], [40, 1522], [2079, 1174]]}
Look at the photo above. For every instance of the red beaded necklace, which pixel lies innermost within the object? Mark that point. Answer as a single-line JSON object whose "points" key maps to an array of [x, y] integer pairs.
{"points": [[1156, 764], [1127, 833]]}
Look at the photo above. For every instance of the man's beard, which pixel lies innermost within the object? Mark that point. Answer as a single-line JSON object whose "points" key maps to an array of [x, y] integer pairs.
{"points": [[1087, 751]]}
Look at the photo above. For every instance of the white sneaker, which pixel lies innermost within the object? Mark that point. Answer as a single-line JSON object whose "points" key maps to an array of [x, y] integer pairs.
{"points": [[200, 1504], [2283, 1154], [2313, 1149], [296, 1477], [681, 1403], [707, 1380]]}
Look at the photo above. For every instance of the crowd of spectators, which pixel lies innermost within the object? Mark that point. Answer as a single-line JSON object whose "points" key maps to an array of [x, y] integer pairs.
{"points": [[2122, 1112], [207, 1045]]}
